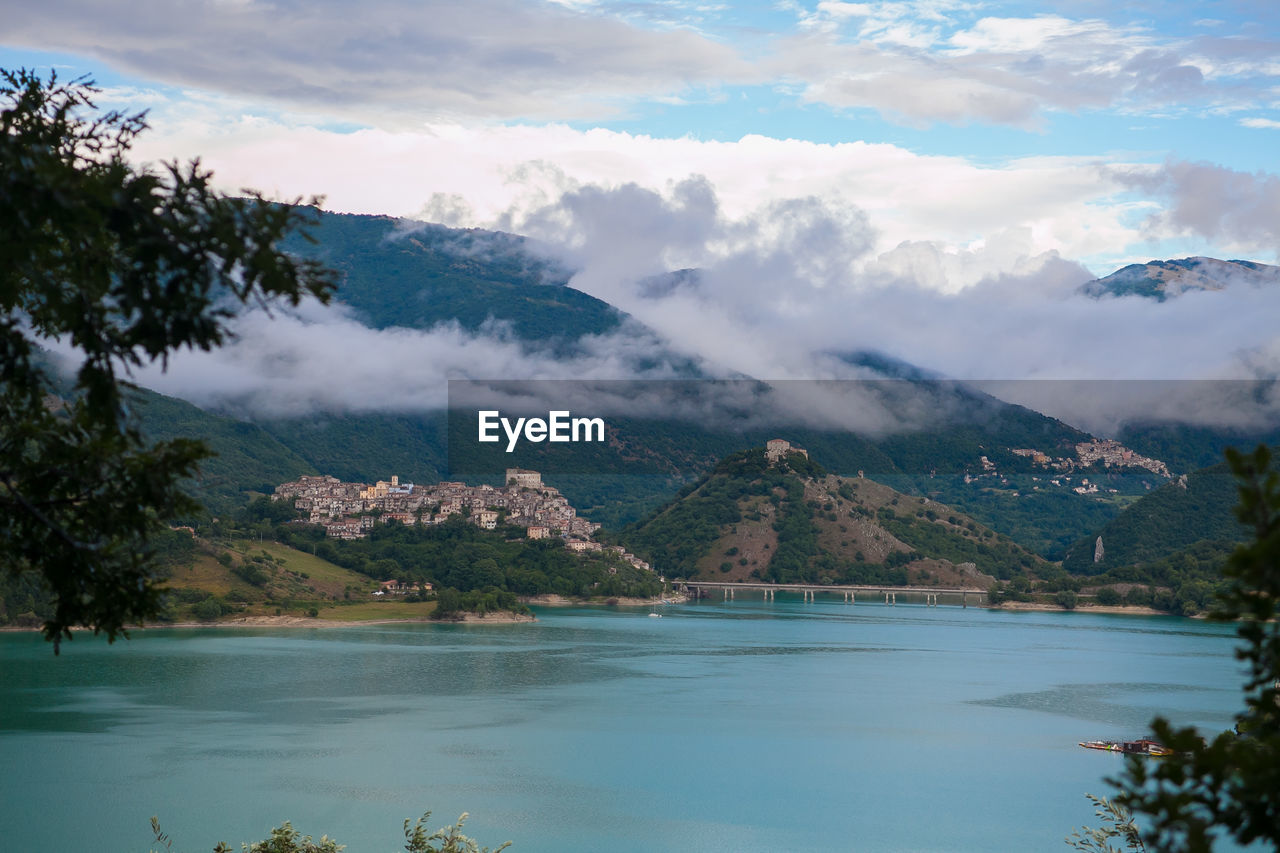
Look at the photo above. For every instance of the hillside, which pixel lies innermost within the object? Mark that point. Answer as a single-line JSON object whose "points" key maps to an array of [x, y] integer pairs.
{"points": [[252, 578], [948, 441], [212, 579], [246, 458], [1195, 508], [397, 273], [793, 521], [1187, 448], [460, 556], [369, 446], [1161, 280]]}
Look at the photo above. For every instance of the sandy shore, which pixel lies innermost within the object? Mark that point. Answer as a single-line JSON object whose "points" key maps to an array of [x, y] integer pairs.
{"points": [[551, 600], [1079, 608], [502, 618]]}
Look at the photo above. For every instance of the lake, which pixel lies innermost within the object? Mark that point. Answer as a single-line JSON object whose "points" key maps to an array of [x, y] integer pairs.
{"points": [[726, 726]]}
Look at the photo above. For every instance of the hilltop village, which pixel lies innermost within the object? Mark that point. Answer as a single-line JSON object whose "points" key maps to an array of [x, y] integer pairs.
{"points": [[350, 510], [1112, 454]]}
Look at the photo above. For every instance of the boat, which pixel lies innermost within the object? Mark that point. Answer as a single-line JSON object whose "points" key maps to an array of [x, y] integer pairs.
{"points": [[1142, 746], [1109, 745]]}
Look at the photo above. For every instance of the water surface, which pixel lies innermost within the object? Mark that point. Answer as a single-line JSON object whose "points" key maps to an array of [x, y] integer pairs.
{"points": [[735, 726]]}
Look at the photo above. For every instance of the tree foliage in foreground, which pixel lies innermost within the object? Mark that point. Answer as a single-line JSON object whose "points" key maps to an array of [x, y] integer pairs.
{"points": [[122, 266], [1229, 786], [286, 839], [1117, 822]]}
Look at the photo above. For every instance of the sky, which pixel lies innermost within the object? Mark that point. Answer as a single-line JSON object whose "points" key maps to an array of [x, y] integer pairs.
{"points": [[930, 179]]}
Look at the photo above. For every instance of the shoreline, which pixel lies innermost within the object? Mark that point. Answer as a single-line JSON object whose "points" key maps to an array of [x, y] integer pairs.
{"points": [[503, 617], [500, 618], [1115, 609], [553, 600], [550, 600]]}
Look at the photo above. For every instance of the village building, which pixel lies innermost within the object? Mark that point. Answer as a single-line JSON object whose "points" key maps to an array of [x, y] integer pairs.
{"points": [[350, 510], [776, 449], [344, 529], [523, 478]]}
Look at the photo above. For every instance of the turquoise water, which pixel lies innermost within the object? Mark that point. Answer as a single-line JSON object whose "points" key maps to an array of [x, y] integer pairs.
{"points": [[739, 726]]}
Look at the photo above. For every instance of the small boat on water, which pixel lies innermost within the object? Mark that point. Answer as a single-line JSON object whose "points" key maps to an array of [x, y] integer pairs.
{"points": [[1142, 746]]}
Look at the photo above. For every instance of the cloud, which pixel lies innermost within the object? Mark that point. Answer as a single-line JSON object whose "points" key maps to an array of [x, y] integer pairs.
{"points": [[1260, 123], [494, 59], [925, 63], [793, 289], [1102, 407], [1238, 210], [489, 175], [782, 288], [321, 358], [402, 62]]}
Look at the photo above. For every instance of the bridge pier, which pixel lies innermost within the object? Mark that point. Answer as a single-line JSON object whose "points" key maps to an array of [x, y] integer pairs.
{"points": [[809, 593]]}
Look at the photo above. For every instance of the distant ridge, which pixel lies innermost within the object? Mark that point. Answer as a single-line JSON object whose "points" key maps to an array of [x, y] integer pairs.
{"points": [[402, 273], [1161, 280]]}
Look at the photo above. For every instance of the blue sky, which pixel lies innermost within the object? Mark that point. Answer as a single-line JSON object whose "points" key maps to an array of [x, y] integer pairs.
{"points": [[1188, 81], [933, 163], [987, 84]]}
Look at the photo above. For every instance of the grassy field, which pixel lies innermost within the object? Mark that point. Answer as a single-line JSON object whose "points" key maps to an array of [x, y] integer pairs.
{"points": [[247, 577], [323, 576], [378, 610], [208, 575]]}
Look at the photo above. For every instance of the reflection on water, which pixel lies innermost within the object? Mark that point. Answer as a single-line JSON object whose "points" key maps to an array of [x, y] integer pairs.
{"points": [[727, 726], [1129, 706]]}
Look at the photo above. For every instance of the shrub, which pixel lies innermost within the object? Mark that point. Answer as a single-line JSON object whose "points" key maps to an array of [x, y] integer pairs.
{"points": [[1108, 597], [208, 610]]}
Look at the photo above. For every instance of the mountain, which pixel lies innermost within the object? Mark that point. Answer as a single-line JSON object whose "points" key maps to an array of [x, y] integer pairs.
{"points": [[369, 446], [941, 440], [1161, 280], [1186, 448], [788, 520], [400, 273], [246, 458], [1195, 508]]}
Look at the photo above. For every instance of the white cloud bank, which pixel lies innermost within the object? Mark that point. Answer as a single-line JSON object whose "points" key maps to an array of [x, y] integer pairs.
{"points": [[492, 176], [390, 60], [424, 60], [781, 292]]}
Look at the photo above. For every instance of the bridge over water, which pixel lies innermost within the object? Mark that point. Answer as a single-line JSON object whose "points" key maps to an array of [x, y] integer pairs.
{"points": [[931, 595]]}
